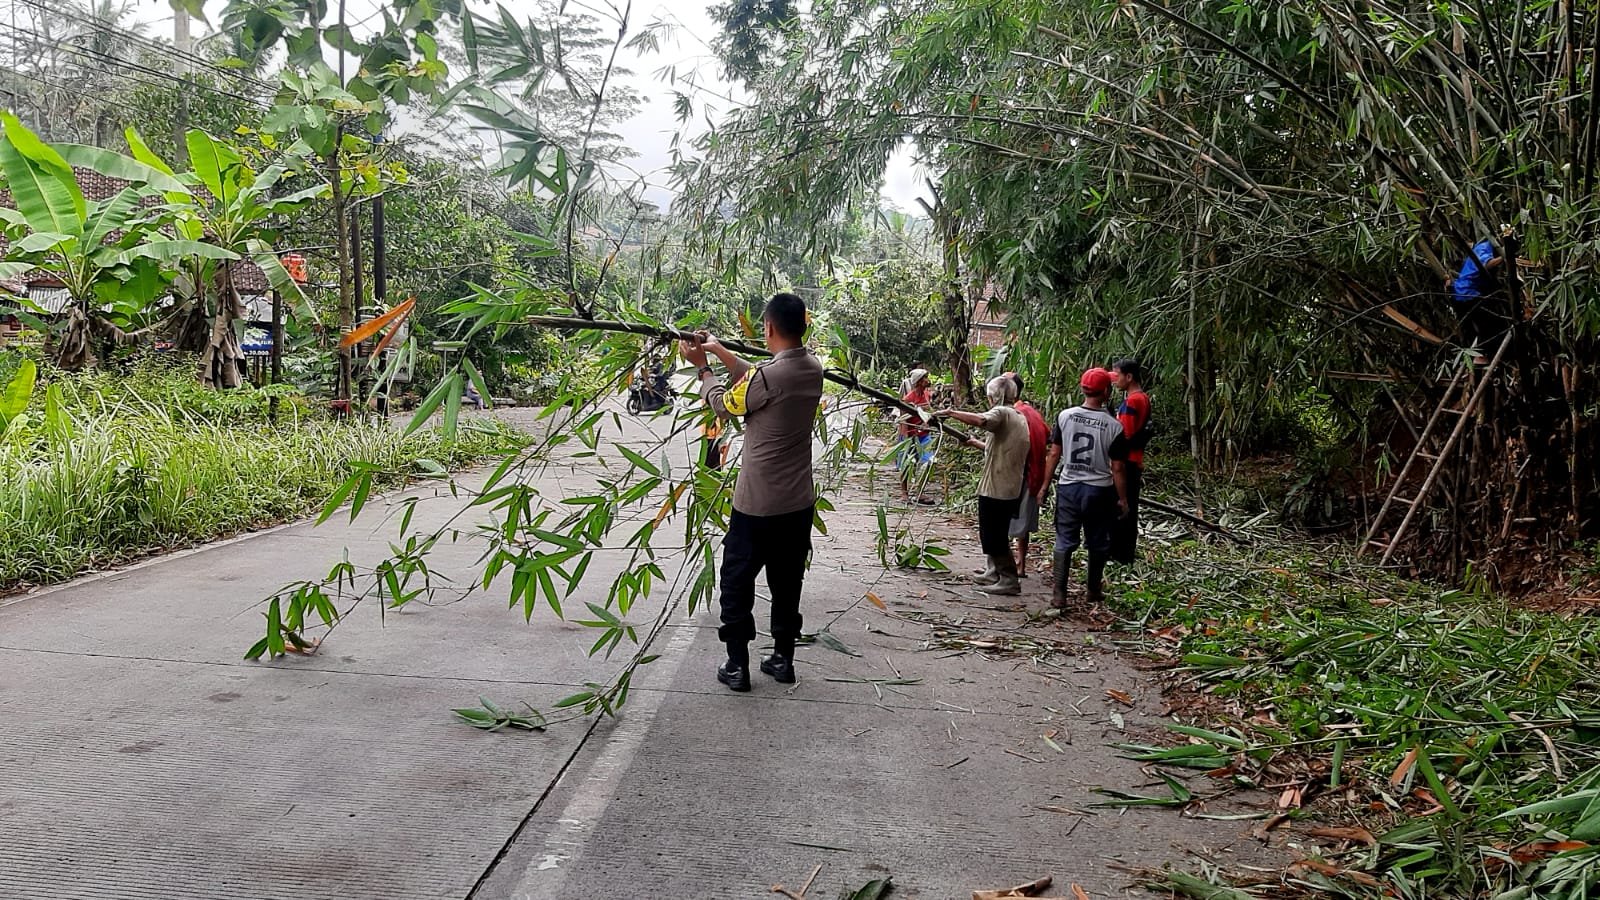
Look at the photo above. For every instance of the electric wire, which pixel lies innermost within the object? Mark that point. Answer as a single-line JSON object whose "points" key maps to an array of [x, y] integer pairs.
{"points": [[112, 60], [103, 100], [134, 37], [93, 98]]}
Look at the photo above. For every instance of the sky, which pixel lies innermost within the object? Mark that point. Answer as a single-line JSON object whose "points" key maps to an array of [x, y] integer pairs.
{"points": [[650, 131]]}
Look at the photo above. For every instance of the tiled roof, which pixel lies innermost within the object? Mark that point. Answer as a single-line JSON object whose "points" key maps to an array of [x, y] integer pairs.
{"points": [[984, 315], [247, 276]]}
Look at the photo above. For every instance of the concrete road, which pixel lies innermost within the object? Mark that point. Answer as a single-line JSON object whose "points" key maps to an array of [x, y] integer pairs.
{"points": [[140, 756]]}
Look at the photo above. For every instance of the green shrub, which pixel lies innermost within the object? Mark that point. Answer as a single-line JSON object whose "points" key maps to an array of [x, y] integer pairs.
{"points": [[115, 467]]}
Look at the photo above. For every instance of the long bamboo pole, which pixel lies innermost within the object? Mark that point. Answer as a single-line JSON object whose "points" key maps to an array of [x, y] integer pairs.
{"points": [[844, 379]]}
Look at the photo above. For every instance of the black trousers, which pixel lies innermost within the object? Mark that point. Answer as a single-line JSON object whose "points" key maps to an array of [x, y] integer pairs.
{"points": [[780, 544], [994, 524], [1483, 320], [1125, 533]]}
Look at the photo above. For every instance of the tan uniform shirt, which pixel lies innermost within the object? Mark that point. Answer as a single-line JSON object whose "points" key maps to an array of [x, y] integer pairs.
{"points": [[1006, 454], [778, 401]]}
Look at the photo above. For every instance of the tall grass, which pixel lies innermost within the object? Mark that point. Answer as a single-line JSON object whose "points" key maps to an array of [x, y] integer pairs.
{"points": [[131, 465]]}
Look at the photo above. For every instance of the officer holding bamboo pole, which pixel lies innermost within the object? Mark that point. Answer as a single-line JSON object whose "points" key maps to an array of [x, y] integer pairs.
{"points": [[774, 498]]}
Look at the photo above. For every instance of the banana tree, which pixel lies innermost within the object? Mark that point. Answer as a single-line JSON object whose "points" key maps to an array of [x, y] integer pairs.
{"points": [[110, 255], [232, 209]]}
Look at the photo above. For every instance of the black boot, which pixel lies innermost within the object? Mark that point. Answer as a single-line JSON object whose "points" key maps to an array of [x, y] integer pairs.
{"points": [[735, 676], [735, 673], [1097, 572], [781, 668], [1063, 574], [780, 665]]}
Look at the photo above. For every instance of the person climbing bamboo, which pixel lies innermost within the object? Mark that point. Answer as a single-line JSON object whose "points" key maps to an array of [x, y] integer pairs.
{"points": [[1477, 298]]}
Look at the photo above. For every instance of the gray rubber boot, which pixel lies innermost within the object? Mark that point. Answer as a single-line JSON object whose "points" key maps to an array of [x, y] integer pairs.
{"points": [[989, 574], [1006, 583]]}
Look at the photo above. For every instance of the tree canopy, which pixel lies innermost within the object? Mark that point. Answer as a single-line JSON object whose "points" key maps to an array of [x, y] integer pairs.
{"points": [[1242, 194]]}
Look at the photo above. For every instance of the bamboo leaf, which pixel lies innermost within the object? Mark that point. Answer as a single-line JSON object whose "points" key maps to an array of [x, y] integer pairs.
{"points": [[338, 497], [372, 326], [430, 403], [452, 407], [639, 461], [476, 379]]}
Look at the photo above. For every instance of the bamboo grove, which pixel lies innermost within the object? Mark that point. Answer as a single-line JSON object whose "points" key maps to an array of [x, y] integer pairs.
{"points": [[1241, 193]]}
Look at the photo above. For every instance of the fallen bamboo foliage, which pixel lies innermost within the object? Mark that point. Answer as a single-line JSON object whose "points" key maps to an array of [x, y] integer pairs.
{"points": [[1439, 730]]}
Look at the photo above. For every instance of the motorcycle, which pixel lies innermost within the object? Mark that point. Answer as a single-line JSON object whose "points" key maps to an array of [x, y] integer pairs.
{"points": [[649, 393]]}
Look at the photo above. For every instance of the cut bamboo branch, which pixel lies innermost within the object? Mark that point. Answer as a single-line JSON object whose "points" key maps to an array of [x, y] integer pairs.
{"points": [[837, 376], [1192, 519], [1411, 325]]}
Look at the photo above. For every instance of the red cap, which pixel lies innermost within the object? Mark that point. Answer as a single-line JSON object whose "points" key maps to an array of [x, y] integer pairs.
{"points": [[1096, 381]]}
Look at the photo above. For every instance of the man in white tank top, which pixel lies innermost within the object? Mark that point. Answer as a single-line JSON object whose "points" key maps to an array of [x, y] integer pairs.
{"points": [[1087, 442]]}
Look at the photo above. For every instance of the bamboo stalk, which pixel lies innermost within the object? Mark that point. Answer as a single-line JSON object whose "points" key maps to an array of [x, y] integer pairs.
{"points": [[842, 378], [845, 379]]}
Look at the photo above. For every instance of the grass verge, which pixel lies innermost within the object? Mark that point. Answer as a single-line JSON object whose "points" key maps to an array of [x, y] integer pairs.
{"points": [[1452, 740], [105, 468]]}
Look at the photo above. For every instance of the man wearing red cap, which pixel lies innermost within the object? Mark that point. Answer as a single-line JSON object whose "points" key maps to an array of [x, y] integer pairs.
{"points": [[1093, 491]]}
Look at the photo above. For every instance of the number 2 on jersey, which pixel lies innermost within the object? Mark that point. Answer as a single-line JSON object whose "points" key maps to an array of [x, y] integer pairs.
{"points": [[1082, 449]]}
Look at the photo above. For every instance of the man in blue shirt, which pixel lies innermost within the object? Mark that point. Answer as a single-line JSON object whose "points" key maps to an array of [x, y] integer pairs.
{"points": [[1472, 292]]}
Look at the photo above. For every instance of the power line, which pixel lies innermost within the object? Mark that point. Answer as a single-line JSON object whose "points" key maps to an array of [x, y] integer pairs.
{"points": [[76, 91], [100, 99], [103, 57], [83, 54], [134, 37]]}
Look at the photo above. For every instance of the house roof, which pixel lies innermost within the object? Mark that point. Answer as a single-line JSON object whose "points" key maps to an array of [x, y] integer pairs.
{"points": [[55, 300], [51, 300], [986, 315], [247, 276]]}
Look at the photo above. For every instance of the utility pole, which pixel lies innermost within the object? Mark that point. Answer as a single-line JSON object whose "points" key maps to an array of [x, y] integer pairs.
{"points": [[181, 39], [358, 277], [341, 227], [644, 244], [341, 230], [357, 273], [277, 353], [184, 44]]}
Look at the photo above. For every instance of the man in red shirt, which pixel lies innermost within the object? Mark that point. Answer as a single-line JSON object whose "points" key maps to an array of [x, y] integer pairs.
{"points": [[1033, 478], [1134, 414]]}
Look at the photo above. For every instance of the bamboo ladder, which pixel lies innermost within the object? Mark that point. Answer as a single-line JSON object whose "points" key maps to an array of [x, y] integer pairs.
{"points": [[1458, 386]]}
